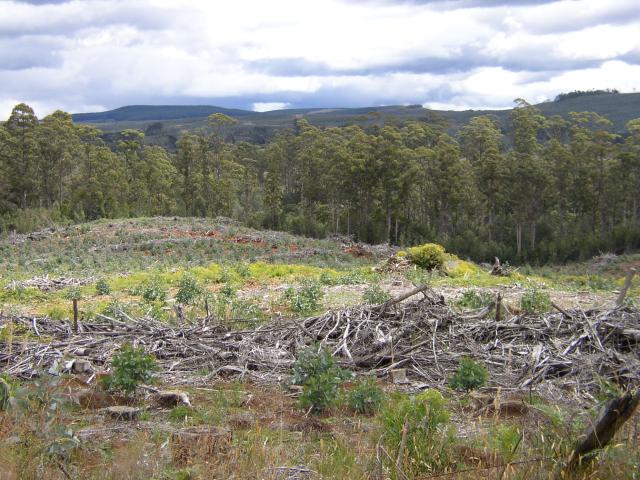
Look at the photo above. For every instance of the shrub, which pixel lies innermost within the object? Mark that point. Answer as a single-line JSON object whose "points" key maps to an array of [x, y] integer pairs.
{"points": [[316, 370], [320, 392], [366, 397], [374, 295], [535, 301], [470, 375], [102, 287], [73, 293], [188, 290], [314, 361], [131, 366], [306, 300], [474, 299], [152, 290], [428, 437], [429, 256]]}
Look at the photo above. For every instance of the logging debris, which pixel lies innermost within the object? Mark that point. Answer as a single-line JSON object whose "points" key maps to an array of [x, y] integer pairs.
{"points": [[418, 332]]}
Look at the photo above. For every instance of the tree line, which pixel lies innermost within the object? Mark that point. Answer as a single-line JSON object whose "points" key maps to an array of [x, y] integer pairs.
{"points": [[543, 190]]}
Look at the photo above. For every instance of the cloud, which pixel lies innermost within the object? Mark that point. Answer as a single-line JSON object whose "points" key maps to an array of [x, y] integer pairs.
{"points": [[269, 106], [83, 55]]}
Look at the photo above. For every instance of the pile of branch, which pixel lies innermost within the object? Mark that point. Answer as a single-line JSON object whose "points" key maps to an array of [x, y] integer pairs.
{"points": [[46, 284], [572, 348]]}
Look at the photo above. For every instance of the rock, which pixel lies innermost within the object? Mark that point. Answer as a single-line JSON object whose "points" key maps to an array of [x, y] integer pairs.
{"points": [[399, 375], [203, 442], [122, 412], [170, 399]]}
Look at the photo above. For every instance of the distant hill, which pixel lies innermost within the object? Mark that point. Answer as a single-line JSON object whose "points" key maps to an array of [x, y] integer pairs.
{"points": [[163, 124]]}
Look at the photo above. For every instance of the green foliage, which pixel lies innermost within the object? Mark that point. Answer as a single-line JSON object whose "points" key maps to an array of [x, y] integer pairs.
{"points": [[428, 439], [320, 392], [131, 366], [5, 394], [366, 397], [73, 293], [180, 413], [474, 299], [188, 290], [152, 290], [429, 256], [505, 439], [306, 299], [316, 370], [374, 295], [314, 361], [470, 375], [102, 287], [535, 301]]}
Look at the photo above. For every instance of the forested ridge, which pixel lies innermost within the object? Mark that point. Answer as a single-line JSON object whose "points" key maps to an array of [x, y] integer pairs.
{"points": [[550, 190]]}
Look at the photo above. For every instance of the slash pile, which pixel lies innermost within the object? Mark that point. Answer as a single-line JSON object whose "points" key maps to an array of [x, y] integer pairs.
{"points": [[574, 349]]}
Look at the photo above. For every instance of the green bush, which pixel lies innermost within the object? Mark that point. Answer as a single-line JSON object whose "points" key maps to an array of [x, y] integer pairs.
{"points": [[102, 287], [306, 300], [429, 256], [374, 295], [535, 301], [366, 397], [428, 436], [152, 291], [314, 361], [470, 375], [188, 290], [316, 370], [475, 299], [320, 392], [73, 293], [131, 366]]}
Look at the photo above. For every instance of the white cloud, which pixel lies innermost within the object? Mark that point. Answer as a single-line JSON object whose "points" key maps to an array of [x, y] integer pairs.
{"points": [[84, 54], [269, 106]]}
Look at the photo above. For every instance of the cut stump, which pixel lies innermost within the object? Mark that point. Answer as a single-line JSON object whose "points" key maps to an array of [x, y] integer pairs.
{"points": [[203, 442], [122, 412]]}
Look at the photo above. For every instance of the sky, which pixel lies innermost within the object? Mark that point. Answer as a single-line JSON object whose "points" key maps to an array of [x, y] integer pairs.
{"points": [[95, 55]]}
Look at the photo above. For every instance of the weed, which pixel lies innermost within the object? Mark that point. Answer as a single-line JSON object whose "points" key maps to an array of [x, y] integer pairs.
{"points": [[535, 301], [131, 366], [102, 287], [374, 295], [366, 397], [470, 375], [474, 299], [180, 413]]}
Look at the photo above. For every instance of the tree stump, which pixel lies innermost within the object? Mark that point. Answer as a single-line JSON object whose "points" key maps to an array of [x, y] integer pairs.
{"points": [[203, 442], [170, 399], [122, 412], [399, 375]]}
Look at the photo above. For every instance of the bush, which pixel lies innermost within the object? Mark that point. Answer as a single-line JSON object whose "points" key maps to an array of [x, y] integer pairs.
{"points": [[473, 299], [131, 366], [428, 437], [535, 301], [102, 287], [366, 397], [470, 375], [374, 295], [316, 370], [314, 361], [152, 291], [306, 300], [429, 256], [188, 290], [320, 392]]}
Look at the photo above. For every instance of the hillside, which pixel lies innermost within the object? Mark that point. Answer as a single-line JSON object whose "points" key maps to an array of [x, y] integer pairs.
{"points": [[163, 123]]}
